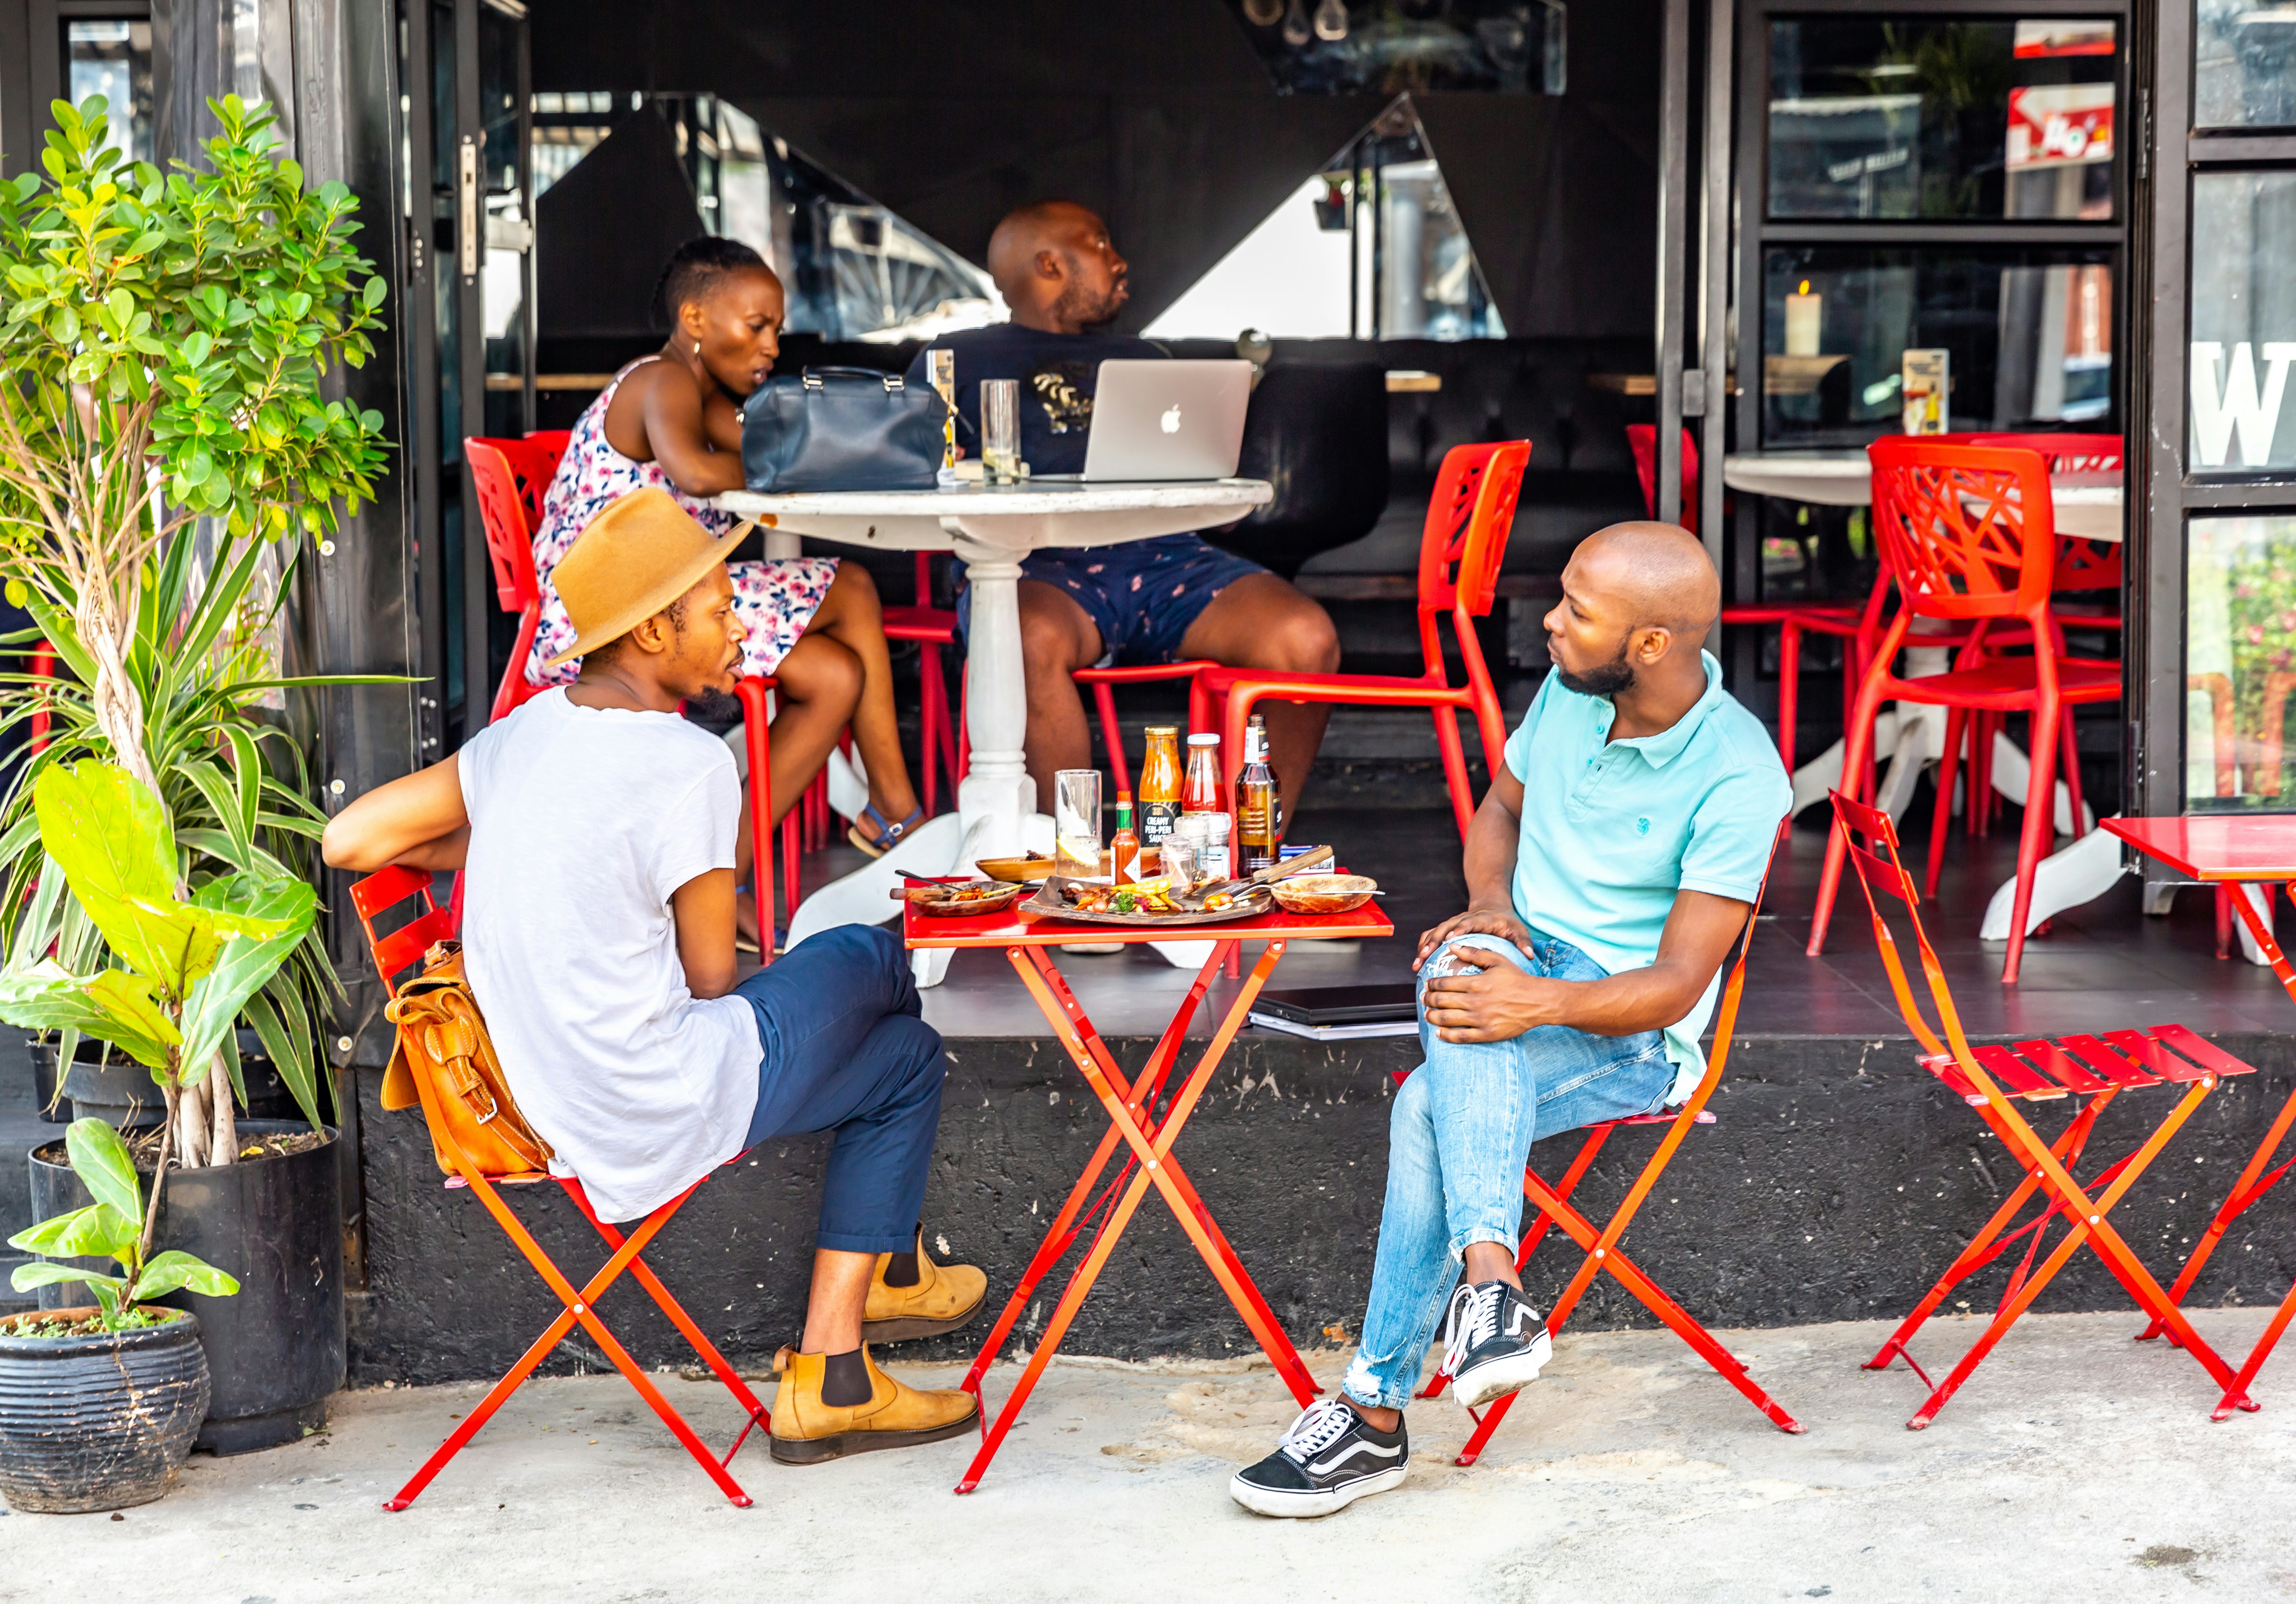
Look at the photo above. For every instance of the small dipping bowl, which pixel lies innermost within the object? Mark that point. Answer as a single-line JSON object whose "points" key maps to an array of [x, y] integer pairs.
{"points": [[1324, 893]]}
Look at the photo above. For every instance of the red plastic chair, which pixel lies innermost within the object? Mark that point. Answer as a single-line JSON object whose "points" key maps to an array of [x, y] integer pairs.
{"points": [[1468, 520], [401, 949], [1966, 534], [933, 629], [512, 480], [1792, 619], [2092, 1067]]}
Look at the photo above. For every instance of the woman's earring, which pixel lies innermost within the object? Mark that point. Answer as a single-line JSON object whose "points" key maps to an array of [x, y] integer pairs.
{"points": [[697, 347]]}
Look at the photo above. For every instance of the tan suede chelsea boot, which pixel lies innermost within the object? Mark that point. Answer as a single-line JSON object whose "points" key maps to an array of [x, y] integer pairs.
{"points": [[807, 1431], [944, 1298]]}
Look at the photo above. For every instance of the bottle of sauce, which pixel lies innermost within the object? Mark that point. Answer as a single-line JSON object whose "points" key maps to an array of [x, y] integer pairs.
{"points": [[1159, 784], [1255, 805], [1205, 789], [1123, 846]]}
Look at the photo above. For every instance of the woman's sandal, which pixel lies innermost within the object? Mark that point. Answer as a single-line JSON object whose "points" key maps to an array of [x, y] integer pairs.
{"points": [[887, 836]]}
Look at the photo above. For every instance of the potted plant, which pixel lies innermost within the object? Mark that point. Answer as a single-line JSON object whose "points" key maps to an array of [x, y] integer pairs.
{"points": [[166, 449], [98, 1406]]}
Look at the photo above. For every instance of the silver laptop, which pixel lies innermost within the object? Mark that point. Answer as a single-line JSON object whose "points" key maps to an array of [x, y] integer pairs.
{"points": [[1167, 419]]}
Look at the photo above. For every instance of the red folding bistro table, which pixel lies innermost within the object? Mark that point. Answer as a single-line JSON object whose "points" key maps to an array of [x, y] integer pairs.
{"points": [[2220, 851], [1134, 1121]]}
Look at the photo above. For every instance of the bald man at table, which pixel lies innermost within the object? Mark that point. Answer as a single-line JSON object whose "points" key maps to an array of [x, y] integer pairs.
{"points": [[1172, 598]]}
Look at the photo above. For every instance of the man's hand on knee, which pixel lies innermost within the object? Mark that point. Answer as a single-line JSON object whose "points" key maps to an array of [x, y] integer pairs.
{"points": [[1500, 922], [1492, 1001]]}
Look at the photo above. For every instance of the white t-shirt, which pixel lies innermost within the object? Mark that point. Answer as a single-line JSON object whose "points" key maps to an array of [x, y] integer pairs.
{"points": [[583, 821]]}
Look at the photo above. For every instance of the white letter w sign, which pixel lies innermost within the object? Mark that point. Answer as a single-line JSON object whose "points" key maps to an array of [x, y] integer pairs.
{"points": [[2216, 411]]}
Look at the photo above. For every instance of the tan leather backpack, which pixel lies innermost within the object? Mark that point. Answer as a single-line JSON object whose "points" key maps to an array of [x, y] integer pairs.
{"points": [[446, 1061]]}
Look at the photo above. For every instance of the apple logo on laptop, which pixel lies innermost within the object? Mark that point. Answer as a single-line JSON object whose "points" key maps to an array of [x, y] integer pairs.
{"points": [[1171, 420]]}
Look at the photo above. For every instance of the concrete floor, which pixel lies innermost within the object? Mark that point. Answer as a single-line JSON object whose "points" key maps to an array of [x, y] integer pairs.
{"points": [[2076, 1466]]}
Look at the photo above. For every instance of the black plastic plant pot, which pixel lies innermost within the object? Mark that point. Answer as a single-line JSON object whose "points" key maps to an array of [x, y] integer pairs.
{"points": [[275, 1350], [106, 1084], [98, 1422], [52, 1109]]}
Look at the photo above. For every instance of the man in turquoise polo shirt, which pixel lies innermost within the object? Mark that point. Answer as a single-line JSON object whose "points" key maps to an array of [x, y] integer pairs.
{"points": [[1610, 869]]}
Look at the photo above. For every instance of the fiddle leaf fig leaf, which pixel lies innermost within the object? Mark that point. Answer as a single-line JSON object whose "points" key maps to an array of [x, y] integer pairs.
{"points": [[167, 1271], [101, 1161]]}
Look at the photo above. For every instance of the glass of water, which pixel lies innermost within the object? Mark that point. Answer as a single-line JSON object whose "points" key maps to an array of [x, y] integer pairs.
{"points": [[1075, 824], [1000, 430]]}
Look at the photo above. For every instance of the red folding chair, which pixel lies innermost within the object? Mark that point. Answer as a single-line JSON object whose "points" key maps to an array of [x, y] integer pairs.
{"points": [[1469, 518], [1966, 533], [401, 949], [1792, 619], [1601, 1246], [2092, 1068], [513, 480]]}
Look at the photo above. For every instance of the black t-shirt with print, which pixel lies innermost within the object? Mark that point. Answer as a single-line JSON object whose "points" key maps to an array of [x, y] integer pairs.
{"points": [[1058, 373]]}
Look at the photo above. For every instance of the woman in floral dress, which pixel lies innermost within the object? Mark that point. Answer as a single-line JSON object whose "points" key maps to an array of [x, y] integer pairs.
{"points": [[670, 420]]}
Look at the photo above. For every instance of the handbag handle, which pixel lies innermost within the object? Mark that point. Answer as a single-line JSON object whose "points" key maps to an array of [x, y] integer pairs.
{"points": [[894, 382]]}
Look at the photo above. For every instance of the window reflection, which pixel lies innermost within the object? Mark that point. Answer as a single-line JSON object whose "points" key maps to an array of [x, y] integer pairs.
{"points": [[2243, 321], [1903, 118], [2244, 64], [2029, 334], [2240, 663], [111, 56]]}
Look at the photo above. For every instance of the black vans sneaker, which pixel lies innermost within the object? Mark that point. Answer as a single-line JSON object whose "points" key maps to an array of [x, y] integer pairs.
{"points": [[1494, 1342], [1330, 1457]]}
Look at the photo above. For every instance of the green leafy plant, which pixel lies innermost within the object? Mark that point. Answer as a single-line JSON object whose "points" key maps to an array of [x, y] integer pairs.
{"points": [[166, 345], [115, 1226], [182, 968]]}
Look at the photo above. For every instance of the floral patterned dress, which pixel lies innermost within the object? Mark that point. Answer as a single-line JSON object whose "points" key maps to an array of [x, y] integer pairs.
{"points": [[775, 598]]}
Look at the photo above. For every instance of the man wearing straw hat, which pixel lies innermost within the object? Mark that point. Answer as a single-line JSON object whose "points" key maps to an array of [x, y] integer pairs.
{"points": [[594, 829]]}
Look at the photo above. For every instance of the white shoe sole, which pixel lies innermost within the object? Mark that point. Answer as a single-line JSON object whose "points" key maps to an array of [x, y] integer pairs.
{"points": [[1500, 1377], [1304, 1506]]}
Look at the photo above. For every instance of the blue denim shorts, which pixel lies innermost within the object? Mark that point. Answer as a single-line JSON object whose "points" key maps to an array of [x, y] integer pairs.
{"points": [[1143, 595]]}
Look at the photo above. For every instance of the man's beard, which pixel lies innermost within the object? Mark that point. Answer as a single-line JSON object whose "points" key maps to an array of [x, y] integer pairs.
{"points": [[714, 707], [1604, 679], [1076, 304]]}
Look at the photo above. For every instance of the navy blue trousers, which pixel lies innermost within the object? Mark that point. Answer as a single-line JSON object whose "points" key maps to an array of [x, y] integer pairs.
{"points": [[846, 1051]]}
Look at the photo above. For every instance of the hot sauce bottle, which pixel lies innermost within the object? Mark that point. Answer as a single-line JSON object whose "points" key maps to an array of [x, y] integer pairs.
{"points": [[1123, 846], [1159, 784], [1204, 791]]}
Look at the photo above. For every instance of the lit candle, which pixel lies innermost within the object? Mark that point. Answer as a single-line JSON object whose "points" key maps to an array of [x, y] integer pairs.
{"points": [[1804, 312]]}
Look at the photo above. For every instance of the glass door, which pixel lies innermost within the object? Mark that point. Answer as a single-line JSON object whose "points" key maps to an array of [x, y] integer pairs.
{"points": [[470, 352]]}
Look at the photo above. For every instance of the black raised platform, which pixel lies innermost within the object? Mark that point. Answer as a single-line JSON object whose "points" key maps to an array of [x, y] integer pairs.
{"points": [[1838, 1181]]}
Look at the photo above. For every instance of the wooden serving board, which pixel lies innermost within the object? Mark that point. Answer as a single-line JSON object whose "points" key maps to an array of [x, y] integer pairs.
{"points": [[1049, 903]]}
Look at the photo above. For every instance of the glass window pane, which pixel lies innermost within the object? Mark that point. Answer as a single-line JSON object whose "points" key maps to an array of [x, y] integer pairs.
{"points": [[1910, 117], [2243, 321], [2240, 664], [2244, 64], [111, 56], [2029, 334]]}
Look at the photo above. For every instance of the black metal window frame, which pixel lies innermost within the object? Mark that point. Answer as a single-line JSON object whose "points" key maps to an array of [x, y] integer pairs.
{"points": [[2161, 485], [1755, 231]]}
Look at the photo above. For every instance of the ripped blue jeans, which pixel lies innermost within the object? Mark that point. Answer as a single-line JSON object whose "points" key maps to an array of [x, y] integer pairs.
{"points": [[1458, 1141]]}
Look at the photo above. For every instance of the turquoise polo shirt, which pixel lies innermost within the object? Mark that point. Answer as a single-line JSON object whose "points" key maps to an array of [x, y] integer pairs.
{"points": [[1611, 830]]}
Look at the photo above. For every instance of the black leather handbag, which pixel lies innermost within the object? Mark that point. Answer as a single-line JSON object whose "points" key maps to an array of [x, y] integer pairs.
{"points": [[842, 428]]}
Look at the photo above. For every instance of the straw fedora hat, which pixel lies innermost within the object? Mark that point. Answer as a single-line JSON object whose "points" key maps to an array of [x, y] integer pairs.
{"points": [[635, 558]]}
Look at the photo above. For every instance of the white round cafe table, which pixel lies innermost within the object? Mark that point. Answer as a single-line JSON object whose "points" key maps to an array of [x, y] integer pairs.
{"points": [[990, 531], [2086, 504]]}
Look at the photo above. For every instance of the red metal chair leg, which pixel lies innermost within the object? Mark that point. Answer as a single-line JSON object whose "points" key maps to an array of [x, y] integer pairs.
{"points": [[2237, 1395], [1112, 736], [1789, 688], [2038, 831], [579, 1308]]}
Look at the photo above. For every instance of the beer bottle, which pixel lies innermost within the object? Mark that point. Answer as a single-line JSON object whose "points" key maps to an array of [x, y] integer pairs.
{"points": [[1255, 805]]}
